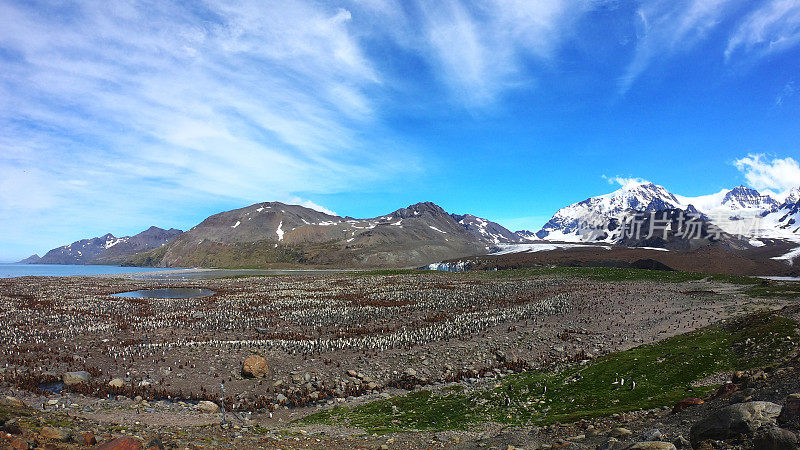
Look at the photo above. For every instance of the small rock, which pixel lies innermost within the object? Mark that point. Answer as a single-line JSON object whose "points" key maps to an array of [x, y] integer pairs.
{"points": [[410, 372], [89, 438], [73, 378], [155, 443], [650, 435], [744, 395], [12, 426], [609, 444], [280, 398], [207, 407], [54, 434], [682, 442], [255, 367], [620, 433], [725, 390], [652, 445], [117, 383], [19, 444], [686, 403], [121, 443]]}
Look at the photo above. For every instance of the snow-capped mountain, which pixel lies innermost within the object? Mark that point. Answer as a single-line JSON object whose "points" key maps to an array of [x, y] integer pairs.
{"points": [[575, 222], [738, 211], [742, 197], [106, 249], [527, 235], [490, 231], [786, 217], [793, 196]]}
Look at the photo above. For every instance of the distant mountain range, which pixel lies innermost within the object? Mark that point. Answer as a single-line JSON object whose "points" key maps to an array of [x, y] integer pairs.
{"points": [[106, 249], [740, 211], [273, 233], [277, 234]]}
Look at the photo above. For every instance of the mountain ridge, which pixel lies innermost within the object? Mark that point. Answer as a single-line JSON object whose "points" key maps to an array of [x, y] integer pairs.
{"points": [[105, 249], [270, 233], [736, 211]]}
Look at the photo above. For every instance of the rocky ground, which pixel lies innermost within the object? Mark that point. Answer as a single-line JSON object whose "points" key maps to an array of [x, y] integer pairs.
{"points": [[154, 369]]}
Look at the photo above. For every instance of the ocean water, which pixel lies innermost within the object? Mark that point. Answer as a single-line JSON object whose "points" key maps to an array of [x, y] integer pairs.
{"points": [[59, 270]]}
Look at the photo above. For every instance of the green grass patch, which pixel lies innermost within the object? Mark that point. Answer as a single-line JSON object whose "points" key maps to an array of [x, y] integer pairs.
{"points": [[752, 286], [9, 412], [663, 372]]}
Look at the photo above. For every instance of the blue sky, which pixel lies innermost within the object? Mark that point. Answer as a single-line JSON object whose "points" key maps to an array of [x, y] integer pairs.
{"points": [[115, 116]]}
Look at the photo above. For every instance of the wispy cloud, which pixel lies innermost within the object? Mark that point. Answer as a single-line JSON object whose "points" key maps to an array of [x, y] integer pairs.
{"points": [[788, 91], [668, 27], [776, 174], [246, 101], [771, 28], [479, 49]]}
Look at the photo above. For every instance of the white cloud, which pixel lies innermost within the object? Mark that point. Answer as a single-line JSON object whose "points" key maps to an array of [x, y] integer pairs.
{"points": [[668, 27], [624, 181], [311, 205], [773, 27], [777, 174]]}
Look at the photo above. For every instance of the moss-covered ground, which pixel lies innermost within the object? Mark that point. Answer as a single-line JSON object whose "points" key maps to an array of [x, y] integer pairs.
{"points": [[654, 376]]}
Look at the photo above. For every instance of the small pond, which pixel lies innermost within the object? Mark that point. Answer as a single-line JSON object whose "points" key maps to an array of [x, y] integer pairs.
{"points": [[55, 387], [173, 292]]}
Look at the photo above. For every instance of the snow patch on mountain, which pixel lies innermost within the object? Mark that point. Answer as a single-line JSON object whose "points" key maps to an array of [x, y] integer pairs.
{"points": [[279, 231], [504, 249]]}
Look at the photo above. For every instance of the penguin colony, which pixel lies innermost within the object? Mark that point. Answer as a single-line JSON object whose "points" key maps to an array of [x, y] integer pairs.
{"points": [[324, 336]]}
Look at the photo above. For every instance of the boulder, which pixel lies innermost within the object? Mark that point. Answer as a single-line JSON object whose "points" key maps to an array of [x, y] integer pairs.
{"points": [[207, 407], [117, 383], [652, 445], [733, 420], [255, 367], [687, 403], [776, 439], [121, 443], [54, 434], [790, 414], [73, 378]]}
